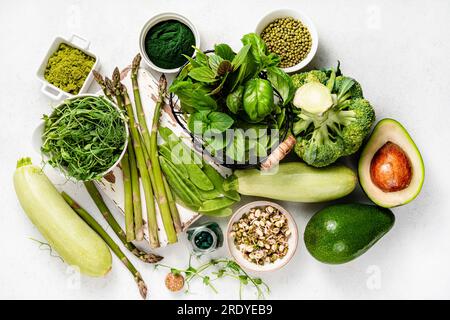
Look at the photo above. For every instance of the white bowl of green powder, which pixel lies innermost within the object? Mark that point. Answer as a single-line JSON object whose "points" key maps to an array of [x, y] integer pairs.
{"points": [[166, 39], [290, 34], [67, 69]]}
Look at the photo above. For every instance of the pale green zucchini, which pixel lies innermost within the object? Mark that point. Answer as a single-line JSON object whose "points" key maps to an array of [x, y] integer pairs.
{"points": [[76, 243], [296, 182]]}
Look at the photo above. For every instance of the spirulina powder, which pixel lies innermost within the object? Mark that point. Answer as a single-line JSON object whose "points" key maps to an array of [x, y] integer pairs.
{"points": [[167, 42]]}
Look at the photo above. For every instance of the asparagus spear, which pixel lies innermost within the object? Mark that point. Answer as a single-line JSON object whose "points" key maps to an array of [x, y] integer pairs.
{"points": [[109, 241], [103, 208], [147, 141], [127, 167], [140, 160], [173, 207], [135, 182], [136, 190], [129, 215], [101, 82], [138, 102], [157, 174]]}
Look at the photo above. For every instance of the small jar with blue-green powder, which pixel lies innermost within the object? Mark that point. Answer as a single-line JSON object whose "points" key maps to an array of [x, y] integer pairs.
{"points": [[206, 237]]}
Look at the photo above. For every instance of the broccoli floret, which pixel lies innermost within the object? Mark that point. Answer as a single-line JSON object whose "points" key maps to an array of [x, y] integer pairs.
{"points": [[300, 79], [355, 91], [339, 131], [359, 117], [320, 149]]}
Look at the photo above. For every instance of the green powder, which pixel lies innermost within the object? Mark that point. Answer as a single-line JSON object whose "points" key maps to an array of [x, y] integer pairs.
{"points": [[167, 42], [68, 68]]}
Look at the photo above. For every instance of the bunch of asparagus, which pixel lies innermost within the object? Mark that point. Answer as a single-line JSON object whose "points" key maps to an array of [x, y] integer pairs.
{"points": [[141, 162]]}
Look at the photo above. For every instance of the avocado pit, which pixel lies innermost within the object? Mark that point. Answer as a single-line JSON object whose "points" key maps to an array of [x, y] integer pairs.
{"points": [[390, 168]]}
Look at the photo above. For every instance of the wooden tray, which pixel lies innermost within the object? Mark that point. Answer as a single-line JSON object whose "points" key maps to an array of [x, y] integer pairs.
{"points": [[112, 185]]}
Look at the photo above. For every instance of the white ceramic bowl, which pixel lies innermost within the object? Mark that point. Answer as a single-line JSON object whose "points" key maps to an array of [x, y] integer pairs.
{"points": [[237, 255], [284, 13], [36, 139], [155, 20], [75, 41]]}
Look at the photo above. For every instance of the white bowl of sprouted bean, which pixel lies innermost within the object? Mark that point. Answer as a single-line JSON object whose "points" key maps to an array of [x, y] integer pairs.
{"points": [[291, 35], [262, 236]]}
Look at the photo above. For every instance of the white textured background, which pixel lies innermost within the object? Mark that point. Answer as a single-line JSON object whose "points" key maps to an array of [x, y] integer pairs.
{"points": [[398, 50]]}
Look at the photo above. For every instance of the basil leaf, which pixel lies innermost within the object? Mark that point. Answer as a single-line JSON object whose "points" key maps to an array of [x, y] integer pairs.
{"points": [[203, 121], [234, 100], [247, 70], [258, 99], [215, 141], [193, 96], [203, 74], [257, 46], [224, 51], [220, 121], [282, 82], [240, 57], [236, 148], [259, 51], [214, 63], [201, 57], [198, 122]]}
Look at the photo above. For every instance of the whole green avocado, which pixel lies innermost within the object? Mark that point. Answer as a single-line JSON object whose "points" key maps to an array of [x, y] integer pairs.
{"points": [[340, 233]]}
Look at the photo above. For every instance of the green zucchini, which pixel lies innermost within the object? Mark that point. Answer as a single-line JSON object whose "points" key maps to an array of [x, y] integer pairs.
{"points": [[76, 243], [296, 182]]}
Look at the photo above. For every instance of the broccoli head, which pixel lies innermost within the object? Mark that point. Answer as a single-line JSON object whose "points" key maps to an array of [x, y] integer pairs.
{"points": [[355, 91], [300, 79], [339, 131]]}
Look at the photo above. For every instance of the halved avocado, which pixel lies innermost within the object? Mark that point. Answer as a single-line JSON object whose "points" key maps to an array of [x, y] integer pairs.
{"points": [[391, 169]]}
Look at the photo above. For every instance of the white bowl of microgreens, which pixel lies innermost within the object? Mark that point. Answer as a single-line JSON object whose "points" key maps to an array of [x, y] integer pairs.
{"points": [[166, 40], [85, 137], [292, 36], [262, 236]]}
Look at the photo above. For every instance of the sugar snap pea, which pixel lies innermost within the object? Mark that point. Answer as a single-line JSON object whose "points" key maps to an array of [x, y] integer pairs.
{"points": [[225, 212], [165, 151], [198, 177], [215, 204], [218, 181], [186, 195]]}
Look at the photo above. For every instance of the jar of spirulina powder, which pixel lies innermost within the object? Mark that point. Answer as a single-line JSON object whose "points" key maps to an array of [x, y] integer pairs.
{"points": [[206, 237], [166, 40]]}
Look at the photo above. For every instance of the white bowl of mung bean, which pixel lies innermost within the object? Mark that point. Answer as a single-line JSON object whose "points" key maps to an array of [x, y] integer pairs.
{"points": [[262, 236], [291, 35]]}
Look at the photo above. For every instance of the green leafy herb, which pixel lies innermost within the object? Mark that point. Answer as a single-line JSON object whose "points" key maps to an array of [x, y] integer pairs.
{"points": [[224, 51], [282, 82], [193, 96], [202, 121], [236, 146], [234, 100], [258, 99], [203, 74], [241, 56]]}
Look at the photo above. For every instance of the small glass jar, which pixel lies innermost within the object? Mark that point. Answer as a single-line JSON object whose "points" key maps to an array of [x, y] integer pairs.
{"points": [[206, 237]]}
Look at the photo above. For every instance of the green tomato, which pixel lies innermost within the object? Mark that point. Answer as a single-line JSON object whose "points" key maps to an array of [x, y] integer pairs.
{"points": [[258, 99]]}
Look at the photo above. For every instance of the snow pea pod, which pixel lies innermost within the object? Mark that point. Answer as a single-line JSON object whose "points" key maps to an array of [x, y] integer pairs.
{"points": [[215, 205], [165, 151], [219, 213], [187, 195], [217, 180], [199, 178]]}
